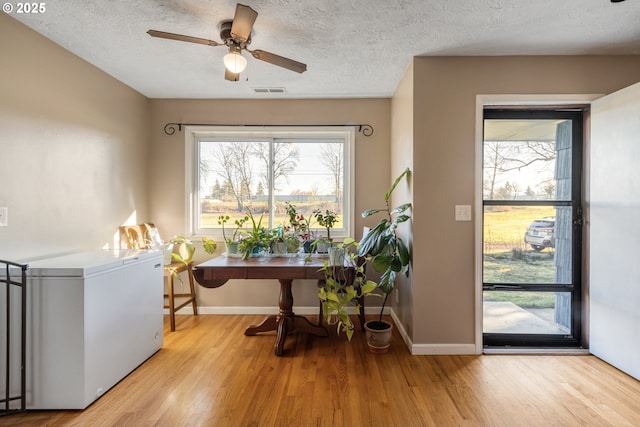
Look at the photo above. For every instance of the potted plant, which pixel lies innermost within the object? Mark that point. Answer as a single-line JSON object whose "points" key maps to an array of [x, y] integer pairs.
{"points": [[209, 245], [299, 226], [284, 241], [182, 250], [390, 256], [326, 220], [343, 286], [231, 243], [256, 239]]}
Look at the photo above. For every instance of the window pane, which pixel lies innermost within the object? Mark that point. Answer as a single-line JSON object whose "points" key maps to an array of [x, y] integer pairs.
{"points": [[233, 177], [527, 244], [310, 175], [527, 159], [236, 176], [516, 312]]}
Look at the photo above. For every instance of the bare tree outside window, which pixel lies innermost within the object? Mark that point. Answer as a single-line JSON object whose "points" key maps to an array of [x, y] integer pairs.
{"points": [[235, 167], [504, 161], [332, 159], [285, 160]]}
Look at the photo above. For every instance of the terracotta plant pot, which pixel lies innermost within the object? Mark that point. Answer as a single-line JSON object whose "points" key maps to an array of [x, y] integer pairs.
{"points": [[378, 335]]}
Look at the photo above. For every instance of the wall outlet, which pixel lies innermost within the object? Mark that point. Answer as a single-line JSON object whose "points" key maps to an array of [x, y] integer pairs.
{"points": [[463, 212], [4, 212]]}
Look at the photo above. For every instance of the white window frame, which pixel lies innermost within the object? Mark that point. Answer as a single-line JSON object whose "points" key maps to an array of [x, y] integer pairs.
{"points": [[194, 134]]}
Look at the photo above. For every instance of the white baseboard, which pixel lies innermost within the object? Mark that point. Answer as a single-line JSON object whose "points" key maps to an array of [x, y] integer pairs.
{"points": [[430, 349], [433, 349], [306, 311], [414, 349], [402, 330]]}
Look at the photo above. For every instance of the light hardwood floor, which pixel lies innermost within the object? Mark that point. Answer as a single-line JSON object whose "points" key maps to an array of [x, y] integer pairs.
{"points": [[209, 374]]}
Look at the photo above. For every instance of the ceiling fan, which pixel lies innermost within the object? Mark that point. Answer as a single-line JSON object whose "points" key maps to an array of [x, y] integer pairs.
{"points": [[236, 35]]}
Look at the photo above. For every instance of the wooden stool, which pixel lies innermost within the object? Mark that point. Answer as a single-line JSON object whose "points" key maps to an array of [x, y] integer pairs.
{"points": [[170, 271]]}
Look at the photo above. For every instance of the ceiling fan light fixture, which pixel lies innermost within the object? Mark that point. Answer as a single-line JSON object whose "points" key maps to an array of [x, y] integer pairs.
{"points": [[234, 61], [236, 36]]}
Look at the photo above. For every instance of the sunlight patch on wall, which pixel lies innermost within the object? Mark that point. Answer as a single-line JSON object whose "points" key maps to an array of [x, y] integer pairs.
{"points": [[115, 241]]}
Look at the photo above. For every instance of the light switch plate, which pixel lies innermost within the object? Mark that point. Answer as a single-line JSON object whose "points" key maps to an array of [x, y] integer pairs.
{"points": [[463, 212], [3, 217]]}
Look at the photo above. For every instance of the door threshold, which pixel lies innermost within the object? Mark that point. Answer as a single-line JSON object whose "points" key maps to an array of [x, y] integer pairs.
{"points": [[572, 351]]}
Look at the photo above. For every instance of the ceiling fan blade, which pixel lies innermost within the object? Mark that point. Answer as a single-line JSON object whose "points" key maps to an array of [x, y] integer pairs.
{"points": [[228, 75], [182, 38], [278, 60], [243, 23]]}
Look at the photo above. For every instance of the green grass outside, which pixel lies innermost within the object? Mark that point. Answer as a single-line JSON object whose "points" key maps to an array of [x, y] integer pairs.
{"points": [[507, 259], [504, 226], [518, 266], [523, 299], [210, 219]]}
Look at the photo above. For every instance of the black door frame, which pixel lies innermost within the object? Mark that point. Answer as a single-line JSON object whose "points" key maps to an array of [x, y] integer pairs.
{"points": [[574, 339]]}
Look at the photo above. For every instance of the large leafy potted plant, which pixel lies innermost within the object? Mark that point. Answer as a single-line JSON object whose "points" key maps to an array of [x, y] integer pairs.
{"points": [[390, 256], [344, 285]]}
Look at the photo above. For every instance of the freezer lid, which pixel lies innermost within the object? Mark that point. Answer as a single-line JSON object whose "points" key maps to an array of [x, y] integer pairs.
{"points": [[83, 264]]}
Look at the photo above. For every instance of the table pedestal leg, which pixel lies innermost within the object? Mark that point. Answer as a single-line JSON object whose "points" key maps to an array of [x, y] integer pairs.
{"points": [[286, 321]]}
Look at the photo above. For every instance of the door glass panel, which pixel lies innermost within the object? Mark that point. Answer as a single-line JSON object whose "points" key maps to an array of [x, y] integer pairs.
{"points": [[522, 312], [523, 244], [527, 160]]}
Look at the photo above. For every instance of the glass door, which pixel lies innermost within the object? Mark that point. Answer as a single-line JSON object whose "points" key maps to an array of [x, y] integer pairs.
{"points": [[531, 227]]}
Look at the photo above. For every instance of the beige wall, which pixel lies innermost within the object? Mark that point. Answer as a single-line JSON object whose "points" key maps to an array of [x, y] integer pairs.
{"points": [[402, 125], [444, 144], [167, 175], [73, 148]]}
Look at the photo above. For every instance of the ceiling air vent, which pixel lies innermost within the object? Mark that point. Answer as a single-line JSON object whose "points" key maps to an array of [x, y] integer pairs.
{"points": [[268, 90]]}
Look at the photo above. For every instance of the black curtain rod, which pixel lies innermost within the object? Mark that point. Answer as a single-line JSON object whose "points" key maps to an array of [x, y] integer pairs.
{"points": [[170, 128]]}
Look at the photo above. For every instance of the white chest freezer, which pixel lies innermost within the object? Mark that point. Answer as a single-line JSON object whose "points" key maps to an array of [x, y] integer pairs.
{"points": [[92, 318]]}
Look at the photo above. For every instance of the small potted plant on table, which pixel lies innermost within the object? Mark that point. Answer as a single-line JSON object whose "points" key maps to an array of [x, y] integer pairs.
{"points": [[299, 226], [326, 220], [255, 240], [284, 241], [231, 243]]}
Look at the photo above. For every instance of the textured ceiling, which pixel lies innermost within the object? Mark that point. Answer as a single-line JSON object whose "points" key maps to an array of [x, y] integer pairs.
{"points": [[353, 48]]}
